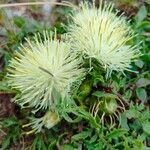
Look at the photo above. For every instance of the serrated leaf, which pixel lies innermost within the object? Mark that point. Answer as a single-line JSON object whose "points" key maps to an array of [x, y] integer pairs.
{"points": [[86, 115], [82, 135], [10, 122], [141, 94], [132, 113], [6, 142], [116, 133]]}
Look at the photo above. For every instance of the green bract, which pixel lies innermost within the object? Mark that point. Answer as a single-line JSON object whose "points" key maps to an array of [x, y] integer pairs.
{"points": [[108, 106]]}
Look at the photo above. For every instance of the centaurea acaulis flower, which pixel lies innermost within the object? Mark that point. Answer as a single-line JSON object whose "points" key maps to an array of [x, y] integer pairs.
{"points": [[43, 69], [103, 35]]}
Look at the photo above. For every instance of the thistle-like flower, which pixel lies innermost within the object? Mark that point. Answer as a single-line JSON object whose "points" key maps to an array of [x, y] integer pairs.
{"points": [[101, 34], [42, 70]]}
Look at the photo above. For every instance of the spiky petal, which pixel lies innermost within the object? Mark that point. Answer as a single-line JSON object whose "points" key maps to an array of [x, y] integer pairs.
{"points": [[42, 70], [101, 34], [49, 120]]}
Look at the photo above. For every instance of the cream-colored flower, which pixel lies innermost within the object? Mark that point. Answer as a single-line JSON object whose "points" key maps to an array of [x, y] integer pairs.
{"points": [[43, 69], [49, 120], [101, 34]]}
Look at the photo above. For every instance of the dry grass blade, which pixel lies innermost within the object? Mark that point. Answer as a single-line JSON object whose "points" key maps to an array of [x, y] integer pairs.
{"points": [[37, 3]]}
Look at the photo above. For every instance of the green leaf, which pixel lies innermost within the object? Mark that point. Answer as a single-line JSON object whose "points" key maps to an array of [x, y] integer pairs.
{"points": [[67, 147], [86, 115], [142, 82], [97, 77], [146, 58], [82, 135], [141, 94], [6, 142], [135, 125], [93, 139], [142, 14], [116, 86], [127, 95], [51, 141], [38, 143], [139, 63], [123, 122], [7, 58], [69, 119], [138, 144], [116, 133], [145, 148], [19, 21], [146, 128], [132, 113], [126, 146], [10, 122], [103, 94], [99, 146]]}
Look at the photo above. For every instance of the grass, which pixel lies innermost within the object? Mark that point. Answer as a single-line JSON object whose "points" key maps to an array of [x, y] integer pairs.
{"points": [[128, 129]]}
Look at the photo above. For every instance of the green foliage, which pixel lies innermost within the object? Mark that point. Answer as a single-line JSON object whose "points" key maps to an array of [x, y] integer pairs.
{"points": [[13, 133], [141, 94], [38, 143]]}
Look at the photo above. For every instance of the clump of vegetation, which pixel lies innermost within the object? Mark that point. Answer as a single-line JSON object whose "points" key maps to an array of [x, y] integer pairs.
{"points": [[80, 85]]}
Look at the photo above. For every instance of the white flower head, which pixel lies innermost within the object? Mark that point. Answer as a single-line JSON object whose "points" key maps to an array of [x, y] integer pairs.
{"points": [[42, 69], [101, 34]]}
